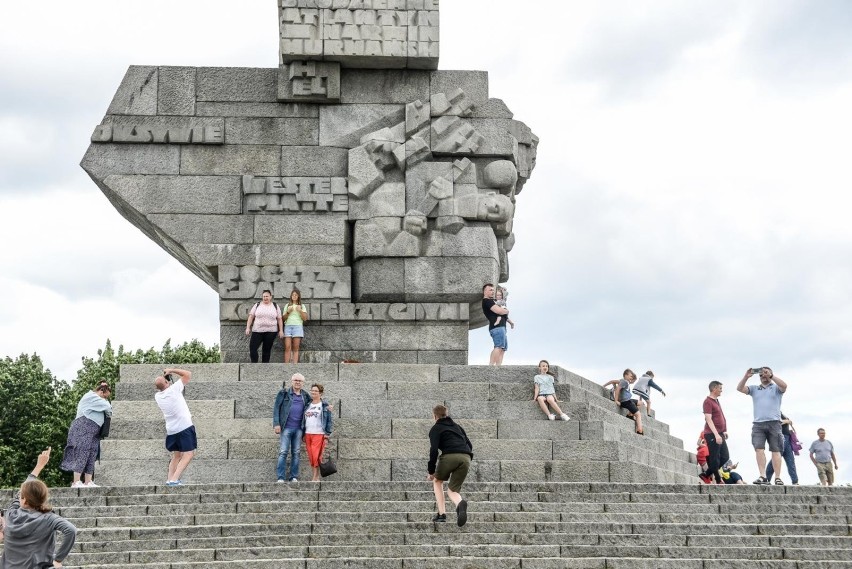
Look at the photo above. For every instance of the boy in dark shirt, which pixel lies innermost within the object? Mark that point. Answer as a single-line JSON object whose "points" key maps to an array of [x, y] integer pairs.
{"points": [[456, 452]]}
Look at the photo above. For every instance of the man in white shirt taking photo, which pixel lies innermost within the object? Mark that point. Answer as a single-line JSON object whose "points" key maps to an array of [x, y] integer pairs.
{"points": [[181, 440]]}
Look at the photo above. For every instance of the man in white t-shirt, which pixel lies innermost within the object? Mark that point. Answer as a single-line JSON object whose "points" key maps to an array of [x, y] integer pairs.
{"points": [[181, 440]]}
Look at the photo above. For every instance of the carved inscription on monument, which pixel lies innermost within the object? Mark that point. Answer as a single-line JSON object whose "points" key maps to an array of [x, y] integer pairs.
{"points": [[158, 134], [403, 33], [309, 81], [235, 310], [279, 195], [249, 281]]}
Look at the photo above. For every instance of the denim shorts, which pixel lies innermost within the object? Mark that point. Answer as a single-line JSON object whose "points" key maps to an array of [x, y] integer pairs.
{"points": [[294, 331], [499, 336]]}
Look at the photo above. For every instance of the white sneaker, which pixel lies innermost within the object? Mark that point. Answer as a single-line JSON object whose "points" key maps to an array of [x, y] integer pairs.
{"points": [[565, 417], [91, 484], [552, 417], [294, 479], [78, 484], [280, 481]]}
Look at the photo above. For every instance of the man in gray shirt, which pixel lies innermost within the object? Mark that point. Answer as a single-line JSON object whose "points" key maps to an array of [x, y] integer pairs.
{"points": [[31, 527], [766, 398], [822, 455]]}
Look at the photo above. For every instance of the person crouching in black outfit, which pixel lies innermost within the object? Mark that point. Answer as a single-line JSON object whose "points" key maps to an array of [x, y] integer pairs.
{"points": [[453, 465]]}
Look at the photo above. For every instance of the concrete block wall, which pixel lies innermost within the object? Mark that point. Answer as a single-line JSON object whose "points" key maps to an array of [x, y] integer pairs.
{"points": [[382, 419]]}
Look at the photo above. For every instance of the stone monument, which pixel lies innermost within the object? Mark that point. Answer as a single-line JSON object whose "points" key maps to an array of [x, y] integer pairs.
{"points": [[381, 187]]}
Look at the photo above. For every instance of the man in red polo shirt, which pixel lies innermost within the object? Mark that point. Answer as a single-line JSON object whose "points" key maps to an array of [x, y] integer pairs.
{"points": [[716, 434]]}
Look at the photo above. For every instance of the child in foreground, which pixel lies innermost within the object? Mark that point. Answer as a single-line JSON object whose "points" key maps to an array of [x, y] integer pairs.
{"points": [[500, 295]]}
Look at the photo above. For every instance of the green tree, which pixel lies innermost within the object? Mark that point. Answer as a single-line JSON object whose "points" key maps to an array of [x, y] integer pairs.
{"points": [[33, 416], [37, 408], [106, 366]]}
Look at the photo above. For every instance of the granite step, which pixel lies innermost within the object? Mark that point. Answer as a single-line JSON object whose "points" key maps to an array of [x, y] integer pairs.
{"points": [[518, 524], [494, 563], [426, 536]]}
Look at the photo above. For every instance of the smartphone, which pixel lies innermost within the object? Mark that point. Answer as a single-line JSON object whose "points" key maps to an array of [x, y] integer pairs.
{"points": [[756, 369]]}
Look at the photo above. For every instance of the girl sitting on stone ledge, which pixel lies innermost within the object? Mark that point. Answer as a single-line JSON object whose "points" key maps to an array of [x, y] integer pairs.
{"points": [[544, 392]]}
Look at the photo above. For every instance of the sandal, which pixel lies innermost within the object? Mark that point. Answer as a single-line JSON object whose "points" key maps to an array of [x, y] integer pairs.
{"points": [[761, 480], [779, 482]]}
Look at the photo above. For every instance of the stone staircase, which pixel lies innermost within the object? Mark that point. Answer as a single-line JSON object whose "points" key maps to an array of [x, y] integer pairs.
{"points": [[588, 493], [517, 525], [382, 418]]}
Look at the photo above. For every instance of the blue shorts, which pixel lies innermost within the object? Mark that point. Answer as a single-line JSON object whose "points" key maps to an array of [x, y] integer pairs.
{"points": [[294, 331], [499, 336], [183, 441]]}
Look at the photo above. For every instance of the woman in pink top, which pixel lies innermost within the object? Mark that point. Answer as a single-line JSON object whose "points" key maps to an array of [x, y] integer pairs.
{"points": [[263, 325]]}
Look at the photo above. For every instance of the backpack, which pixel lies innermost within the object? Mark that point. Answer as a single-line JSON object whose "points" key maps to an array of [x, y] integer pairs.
{"points": [[275, 304]]}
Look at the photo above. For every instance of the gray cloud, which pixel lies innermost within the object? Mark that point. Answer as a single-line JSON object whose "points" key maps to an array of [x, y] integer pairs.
{"points": [[629, 53], [645, 238], [797, 43]]}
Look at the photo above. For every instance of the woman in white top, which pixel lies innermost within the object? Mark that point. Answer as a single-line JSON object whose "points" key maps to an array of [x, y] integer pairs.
{"points": [[263, 325], [84, 435], [316, 424]]}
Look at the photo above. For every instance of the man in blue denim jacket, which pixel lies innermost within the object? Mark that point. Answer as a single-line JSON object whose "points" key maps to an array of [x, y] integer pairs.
{"points": [[290, 405]]}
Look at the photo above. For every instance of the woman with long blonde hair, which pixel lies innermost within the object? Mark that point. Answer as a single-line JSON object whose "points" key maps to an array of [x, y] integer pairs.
{"points": [[295, 316]]}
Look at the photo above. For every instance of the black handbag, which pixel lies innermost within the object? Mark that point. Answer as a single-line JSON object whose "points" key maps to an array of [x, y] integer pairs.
{"points": [[104, 432], [327, 466]]}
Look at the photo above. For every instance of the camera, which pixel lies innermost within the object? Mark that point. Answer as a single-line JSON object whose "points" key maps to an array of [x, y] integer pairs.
{"points": [[169, 377]]}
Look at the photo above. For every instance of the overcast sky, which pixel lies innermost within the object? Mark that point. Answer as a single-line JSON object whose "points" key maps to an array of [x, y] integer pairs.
{"points": [[688, 213]]}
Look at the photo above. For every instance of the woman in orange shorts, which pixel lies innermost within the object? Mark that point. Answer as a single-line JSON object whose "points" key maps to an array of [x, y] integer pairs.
{"points": [[316, 424]]}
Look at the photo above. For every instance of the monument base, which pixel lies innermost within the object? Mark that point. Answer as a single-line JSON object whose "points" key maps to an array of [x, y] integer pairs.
{"points": [[382, 416]]}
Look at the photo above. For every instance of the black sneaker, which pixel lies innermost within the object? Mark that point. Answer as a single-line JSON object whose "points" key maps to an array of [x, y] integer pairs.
{"points": [[440, 518], [461, 513]]}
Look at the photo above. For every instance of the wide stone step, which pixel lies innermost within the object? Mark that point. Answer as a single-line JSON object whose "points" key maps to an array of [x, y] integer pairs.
{"points": [[493, 562], [383, 512], [352, 452], [361, 490], [348, 390], [354, 449], [607, 538], [781, 535], [276, 493], [247, 408], [484, 551], [322, 373], [148, 410], [121, 472], [409, 429]]}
